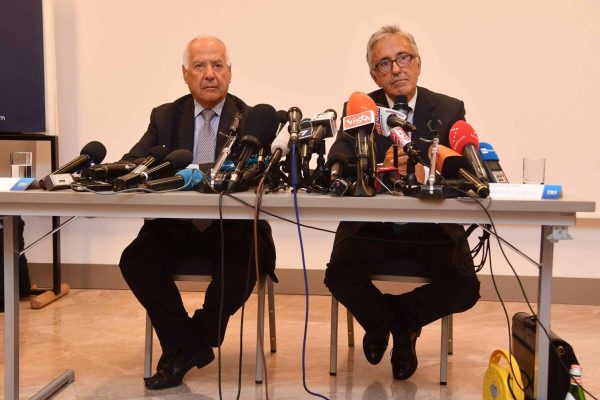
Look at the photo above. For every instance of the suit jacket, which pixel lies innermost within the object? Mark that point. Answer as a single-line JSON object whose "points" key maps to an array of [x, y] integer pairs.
{"points": [[430, 106], [172, 125]]}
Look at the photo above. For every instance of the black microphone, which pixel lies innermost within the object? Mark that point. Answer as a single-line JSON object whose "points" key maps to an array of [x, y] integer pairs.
{"points": [[109, 170], [261, 125], [339, 162], [282, 118], [394, 121], [294, 117], [157, 154], [93, 152], [480, 188]]}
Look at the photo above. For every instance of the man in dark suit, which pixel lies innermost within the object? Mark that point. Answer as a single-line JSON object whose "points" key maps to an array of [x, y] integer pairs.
{"points": [[440, 249], [163, 246]]}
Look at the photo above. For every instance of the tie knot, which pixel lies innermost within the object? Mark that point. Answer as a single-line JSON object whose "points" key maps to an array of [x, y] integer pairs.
{"points": [[208, 114]]}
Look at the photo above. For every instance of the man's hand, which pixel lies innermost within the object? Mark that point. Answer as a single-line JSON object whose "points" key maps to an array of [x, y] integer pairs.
{"points": [[388, 161]]}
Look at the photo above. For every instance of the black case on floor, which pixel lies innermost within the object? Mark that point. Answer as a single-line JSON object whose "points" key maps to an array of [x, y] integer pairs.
{"points": [[523, 348]]}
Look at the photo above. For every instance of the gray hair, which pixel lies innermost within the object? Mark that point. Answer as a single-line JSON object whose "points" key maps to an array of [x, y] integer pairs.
{"points": [[390, 30], [186, 51]]}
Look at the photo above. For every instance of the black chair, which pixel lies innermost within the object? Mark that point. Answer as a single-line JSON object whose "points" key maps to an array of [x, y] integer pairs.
{"points": [[201, 268], [393, 270]]}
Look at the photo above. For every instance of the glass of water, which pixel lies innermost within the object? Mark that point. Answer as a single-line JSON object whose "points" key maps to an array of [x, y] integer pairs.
{"points": [[20, 164]]}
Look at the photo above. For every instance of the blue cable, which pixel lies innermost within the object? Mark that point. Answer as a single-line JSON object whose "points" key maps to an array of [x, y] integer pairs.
{"points": [[296, 210]]}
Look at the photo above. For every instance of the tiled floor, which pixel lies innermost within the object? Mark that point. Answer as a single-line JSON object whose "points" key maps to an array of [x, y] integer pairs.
{"points": [[100, 335]]}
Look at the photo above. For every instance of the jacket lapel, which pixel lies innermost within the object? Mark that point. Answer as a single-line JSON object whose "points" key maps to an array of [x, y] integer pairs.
{"points": [[185, 126]]}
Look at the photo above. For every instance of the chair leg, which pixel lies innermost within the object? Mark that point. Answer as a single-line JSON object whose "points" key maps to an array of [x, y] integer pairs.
{"points": [[444, 350], [148, 348], [260, 330], [350, 323], [333, 338], [271, 300], [451, 334]]}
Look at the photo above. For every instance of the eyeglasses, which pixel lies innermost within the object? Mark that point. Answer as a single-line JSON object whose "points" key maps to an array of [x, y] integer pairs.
{"points": [[403, 60]]}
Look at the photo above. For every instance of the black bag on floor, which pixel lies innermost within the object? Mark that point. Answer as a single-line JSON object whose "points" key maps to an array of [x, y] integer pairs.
{"points": [[523, 348], [24, 282]]}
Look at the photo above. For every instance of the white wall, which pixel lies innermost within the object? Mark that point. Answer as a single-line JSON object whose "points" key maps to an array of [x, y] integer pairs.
{"points": [[527, 72]]}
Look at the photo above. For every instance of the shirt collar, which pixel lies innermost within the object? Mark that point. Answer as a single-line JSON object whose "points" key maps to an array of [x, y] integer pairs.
{"points": [[218, 109], [411, 103]]}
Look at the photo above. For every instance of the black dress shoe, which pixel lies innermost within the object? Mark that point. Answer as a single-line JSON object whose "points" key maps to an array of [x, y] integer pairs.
{"points": [[404, 356], [176, 366], [163, 360], [374, 348]]}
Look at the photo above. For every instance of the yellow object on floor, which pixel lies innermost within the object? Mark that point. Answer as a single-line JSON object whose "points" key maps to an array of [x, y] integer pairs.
{"points": [[502, 381]]}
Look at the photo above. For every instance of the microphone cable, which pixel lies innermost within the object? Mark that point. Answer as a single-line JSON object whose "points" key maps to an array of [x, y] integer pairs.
{"points": [[222, 297], [500, 241], [306, 293], [261, 344]]}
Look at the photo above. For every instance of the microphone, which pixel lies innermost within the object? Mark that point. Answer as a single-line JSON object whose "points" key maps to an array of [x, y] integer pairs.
{"points": [[279, 149], [294, 117], [388, 118], [226, 149], [464, 140], [93, 152], [339, 162], [400, 138], [185, 179], [480, 188], [261, 124], [359, 123], [282, 118], [108, 170], [491, 163], [157, 153], [323, 126], [452, 165]]}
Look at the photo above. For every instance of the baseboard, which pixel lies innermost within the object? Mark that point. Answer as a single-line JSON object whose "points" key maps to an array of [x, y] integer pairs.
{"points": [[291, 281]]}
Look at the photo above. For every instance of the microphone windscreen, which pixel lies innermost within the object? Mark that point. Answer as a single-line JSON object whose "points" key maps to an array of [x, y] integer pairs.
{"points": [[282, 116], [487, 152], [180, 158], [400, 99], [191, 177], [261, 123], [158, 152], [359, 102], [281, 142], [449, 162], [462, 134], [94, 150], [340, 153]]}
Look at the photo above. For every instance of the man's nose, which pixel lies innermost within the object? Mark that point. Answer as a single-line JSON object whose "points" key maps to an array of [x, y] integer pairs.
{"points": [[209, 73]]}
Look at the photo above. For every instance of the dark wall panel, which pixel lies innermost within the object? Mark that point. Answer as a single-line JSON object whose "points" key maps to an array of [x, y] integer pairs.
{"points": [[22, 100]]}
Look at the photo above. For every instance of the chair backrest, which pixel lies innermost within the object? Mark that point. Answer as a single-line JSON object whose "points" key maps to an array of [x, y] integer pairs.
{"points": [[400, 269]]}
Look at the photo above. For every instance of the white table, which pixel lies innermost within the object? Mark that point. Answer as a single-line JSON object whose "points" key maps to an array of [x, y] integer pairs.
{"points": [[554, 216]]}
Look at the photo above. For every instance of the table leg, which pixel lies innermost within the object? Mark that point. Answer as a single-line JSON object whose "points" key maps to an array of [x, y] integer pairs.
{"points": [[11, 307], [542, 343]]}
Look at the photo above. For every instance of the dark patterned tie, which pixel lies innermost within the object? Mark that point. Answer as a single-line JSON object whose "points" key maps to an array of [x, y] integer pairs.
{"points": [[205, 148]]}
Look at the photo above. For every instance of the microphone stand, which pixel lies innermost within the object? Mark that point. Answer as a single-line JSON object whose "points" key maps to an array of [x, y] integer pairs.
{"points": [[432, 189], [317, 180]]}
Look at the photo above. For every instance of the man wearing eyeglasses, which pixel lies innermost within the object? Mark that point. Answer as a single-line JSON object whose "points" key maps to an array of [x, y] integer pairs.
{"points": [[439, 251]]}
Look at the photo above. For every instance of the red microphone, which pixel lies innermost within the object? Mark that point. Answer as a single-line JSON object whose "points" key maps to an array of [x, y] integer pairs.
{"points": [[359, 123], [464, 140]]}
